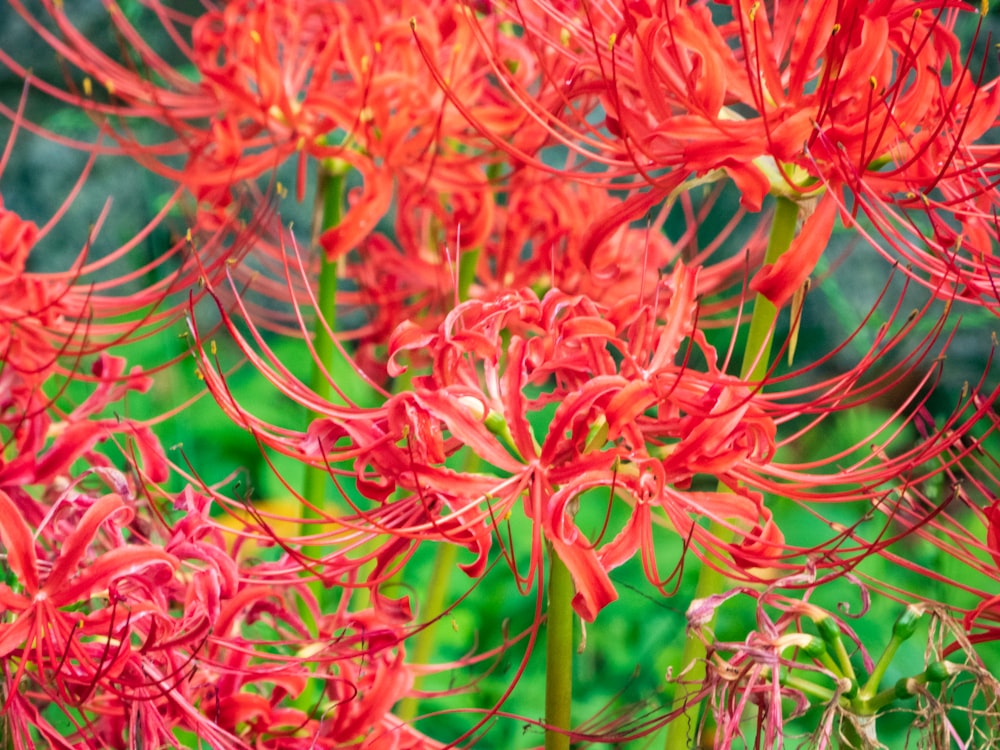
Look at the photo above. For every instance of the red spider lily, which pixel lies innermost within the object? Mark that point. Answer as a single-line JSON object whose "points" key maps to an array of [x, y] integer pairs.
{"points": [[49, 639], [533, 236], [51, 318], [47, 442], [957, 513], [644, 428], [149, 637], [644, 424], [267, 641], [294, 78], [847, 102]]}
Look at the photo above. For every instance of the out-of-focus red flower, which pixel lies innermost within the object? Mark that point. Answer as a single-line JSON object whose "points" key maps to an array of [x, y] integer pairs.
{"points": [[296, 79], [993, 531], [29, 308], [49, 442], [532, 236], [50, 318]]}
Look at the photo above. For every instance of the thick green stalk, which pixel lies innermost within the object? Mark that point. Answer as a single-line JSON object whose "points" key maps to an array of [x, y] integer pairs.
{"points": [[757, 353], [446, 554], [903, 628], [756, 360], [330, 198], [434, 605], [558, 655]]}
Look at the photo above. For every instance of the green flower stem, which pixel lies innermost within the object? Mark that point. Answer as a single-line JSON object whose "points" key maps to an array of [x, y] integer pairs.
{"points": [[330, 201], [446, 553], [424, 641], [467, 263], [757, 353], [830, 633], [331, 181], [558, 655], [808, 687], [902, 630], [756, 360]]}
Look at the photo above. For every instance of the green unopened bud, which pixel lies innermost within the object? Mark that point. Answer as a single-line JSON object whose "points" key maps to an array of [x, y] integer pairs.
{"points": [[906, 624], [496, 424], [850, 687], [940, 671], [829, 632], [906, 687], [814, 648]]}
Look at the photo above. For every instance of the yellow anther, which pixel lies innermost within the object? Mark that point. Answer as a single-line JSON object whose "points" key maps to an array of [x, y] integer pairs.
{"points": [[213, 348], [564, 36], [753, 11], [88, 86], [255, 36], [611, 42]]}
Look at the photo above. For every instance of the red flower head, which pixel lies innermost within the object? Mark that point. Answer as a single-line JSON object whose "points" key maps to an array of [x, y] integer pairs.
{"points": [[53, 635], [630, 419], [296, 78], [871, 107], [534, 236]]}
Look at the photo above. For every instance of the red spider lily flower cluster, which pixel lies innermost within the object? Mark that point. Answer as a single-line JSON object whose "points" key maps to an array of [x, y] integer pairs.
{"points": [[598, 437], [127, 615], [536, 276], [534, 210], [638, 411], [874, 109], [276, 80], [146, 636]]}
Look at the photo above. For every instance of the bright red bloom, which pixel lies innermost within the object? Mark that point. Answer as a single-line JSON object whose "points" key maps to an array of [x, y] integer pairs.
{"points": [[48, 636], [52, 318], [849, 102], [639, 410], [631, 419]]}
